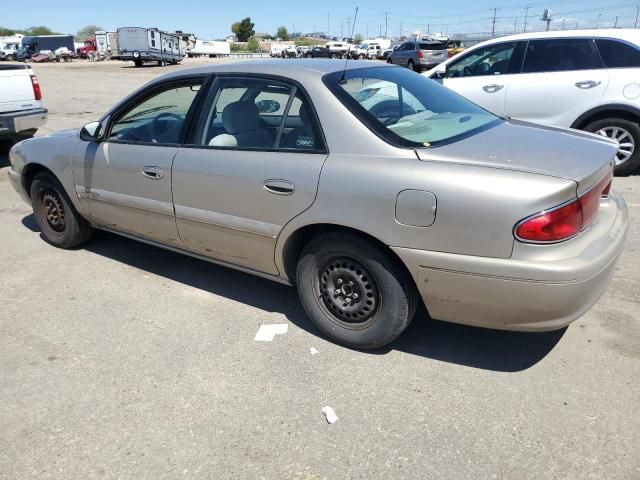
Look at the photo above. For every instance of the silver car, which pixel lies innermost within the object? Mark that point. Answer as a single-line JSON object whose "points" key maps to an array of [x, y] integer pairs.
{"points": [[369, 188], [419, 55]]}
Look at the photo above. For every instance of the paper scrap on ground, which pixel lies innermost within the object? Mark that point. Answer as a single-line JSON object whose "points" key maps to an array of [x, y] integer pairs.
{"points": [[313, 350], [267, 332], [330, 414]]}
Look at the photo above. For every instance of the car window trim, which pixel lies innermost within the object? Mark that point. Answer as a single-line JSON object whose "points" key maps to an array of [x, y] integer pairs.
{"points": [[136, 99], [590, 41], [323, 150]]}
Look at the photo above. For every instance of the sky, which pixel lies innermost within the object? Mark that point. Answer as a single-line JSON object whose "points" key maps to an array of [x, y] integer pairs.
{"points": [[213, 19]]}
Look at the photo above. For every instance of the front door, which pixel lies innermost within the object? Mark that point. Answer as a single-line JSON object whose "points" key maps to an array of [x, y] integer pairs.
{"points": [[561, 78], [124, 182], [482, 75], [253, 165]]}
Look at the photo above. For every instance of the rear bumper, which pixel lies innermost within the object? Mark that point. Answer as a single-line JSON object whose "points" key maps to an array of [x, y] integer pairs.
{"points": [[554, 286], [15, 122]]}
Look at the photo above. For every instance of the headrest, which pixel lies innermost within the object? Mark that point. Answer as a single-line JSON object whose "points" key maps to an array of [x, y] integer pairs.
{"points": [[240, 117]]}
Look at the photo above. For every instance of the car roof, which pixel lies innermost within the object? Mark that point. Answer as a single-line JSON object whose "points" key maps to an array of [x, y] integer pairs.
{"points": [[293, 68], [629, 34]]}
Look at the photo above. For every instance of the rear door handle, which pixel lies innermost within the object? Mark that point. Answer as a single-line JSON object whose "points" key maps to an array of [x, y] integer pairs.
{"points": [[279, 187], [586, 84], [155, 173], [492, 88]]}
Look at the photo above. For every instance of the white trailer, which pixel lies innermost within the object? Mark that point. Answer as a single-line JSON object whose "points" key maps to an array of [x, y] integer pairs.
{"points": [[141, 45], [209, 48], [107, 44]]}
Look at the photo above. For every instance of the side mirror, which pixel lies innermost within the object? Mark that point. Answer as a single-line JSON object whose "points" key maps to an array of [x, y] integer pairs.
{"points": [[91, 132], [441, 71]]}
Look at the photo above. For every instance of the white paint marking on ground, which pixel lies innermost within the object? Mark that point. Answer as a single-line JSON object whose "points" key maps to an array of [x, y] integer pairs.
{"points": [[330, 414], [267, 332], [313, 351]]}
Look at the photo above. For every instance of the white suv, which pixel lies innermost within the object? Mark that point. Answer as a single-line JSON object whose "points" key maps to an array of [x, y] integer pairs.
{"points": [[589, 80]]}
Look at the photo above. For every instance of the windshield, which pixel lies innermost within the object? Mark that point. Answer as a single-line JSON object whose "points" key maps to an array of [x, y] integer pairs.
{"points": [[407, 109]]}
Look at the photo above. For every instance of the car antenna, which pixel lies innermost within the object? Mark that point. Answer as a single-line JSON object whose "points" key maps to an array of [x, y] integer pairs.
{"points": [[344, 72]]}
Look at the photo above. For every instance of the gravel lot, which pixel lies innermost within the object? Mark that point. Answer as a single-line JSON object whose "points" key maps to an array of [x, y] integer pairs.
{"points": [[121, 360]]}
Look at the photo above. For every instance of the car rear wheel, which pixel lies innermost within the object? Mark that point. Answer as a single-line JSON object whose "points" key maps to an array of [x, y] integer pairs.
{"points": [[10, 58], [59, 222], [354, 292], [411, 65], [627, 134]]}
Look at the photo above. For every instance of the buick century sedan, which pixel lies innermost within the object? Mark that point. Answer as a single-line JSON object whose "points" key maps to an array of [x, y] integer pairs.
{"points": [[368, 188]]}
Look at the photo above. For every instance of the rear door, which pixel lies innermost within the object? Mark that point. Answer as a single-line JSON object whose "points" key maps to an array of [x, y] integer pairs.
{"points": [[483, 75], [252, 165], [561, 79]]}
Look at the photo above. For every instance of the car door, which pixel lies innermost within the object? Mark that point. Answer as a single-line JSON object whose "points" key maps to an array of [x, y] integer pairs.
{"points": [[482, 75], [561, 79], [252, 165], [124, 181]]}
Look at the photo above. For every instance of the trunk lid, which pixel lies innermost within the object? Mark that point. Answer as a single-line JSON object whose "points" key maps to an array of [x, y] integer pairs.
{"points": [[514, 145], [16, 88]]}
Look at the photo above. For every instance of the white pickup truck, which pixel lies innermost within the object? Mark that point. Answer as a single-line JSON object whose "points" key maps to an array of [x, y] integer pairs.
{"points": [[21, 110]]}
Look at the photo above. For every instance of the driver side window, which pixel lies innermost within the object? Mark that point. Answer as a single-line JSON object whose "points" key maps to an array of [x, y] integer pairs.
{"points": [[490, 60], [159, 119]]}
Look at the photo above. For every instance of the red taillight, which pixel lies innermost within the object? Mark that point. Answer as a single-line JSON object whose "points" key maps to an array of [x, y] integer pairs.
{"points": [[419, 53], [566, 221], [36, 87]]}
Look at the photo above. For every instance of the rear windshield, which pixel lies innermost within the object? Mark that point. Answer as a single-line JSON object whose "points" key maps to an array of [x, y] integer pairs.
{"points": [[433, 46], [407, 109]]}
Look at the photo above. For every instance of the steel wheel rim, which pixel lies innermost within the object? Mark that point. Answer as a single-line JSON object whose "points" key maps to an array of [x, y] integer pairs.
{"points": [[626, 143], [348, 291], [54, 210]]}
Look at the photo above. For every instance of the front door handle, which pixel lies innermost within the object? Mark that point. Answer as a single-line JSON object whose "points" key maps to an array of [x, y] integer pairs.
{"points": [[586, 84], [155, 173], [492, 88], [279, 187]]}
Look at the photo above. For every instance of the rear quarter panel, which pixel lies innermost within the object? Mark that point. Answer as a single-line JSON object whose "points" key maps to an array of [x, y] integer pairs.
{"points": [[477, 207]]}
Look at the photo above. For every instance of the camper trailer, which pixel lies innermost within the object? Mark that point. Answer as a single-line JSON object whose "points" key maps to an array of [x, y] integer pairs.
{"points": [[139, 45], [107, 44]]}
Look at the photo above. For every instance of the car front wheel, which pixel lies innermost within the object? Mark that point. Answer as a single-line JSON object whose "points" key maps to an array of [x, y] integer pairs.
{"points": [[355, 293], [627, 134], [59, 222]]}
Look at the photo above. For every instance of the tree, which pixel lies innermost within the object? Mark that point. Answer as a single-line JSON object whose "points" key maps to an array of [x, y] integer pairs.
{"points": [[253, 45], [7, 32], [243, 29], [357, 39], [40, 30], [86, 32], [282, 33]]}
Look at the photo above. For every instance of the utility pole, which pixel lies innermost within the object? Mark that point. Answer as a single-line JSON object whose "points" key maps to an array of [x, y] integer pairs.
{"points": [[526, 14], [367, 31], [515, 25], [348, 25], [493, 22], [598, 21], [428, 31], [615, 25], [635, 25], [563, 20], [380, 28], [401, 25], [386, 23]]}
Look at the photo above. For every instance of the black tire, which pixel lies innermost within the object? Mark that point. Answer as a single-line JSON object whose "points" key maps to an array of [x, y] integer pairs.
{"points": [[380, 296], [411, 65], [59, 222], [138, 64], [633, 129], [10, 58], [334, 56], [389, 60]]}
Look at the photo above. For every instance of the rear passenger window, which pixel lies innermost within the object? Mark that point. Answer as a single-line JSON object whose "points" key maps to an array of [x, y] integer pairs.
{"points": [[560, 55], [617, 54], [252, 113]]}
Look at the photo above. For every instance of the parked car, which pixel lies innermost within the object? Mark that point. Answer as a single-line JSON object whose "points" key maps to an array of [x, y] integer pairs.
{"points": [[419, 54], [290, 171], [586, 80], [323, 52], [21, 109]]}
